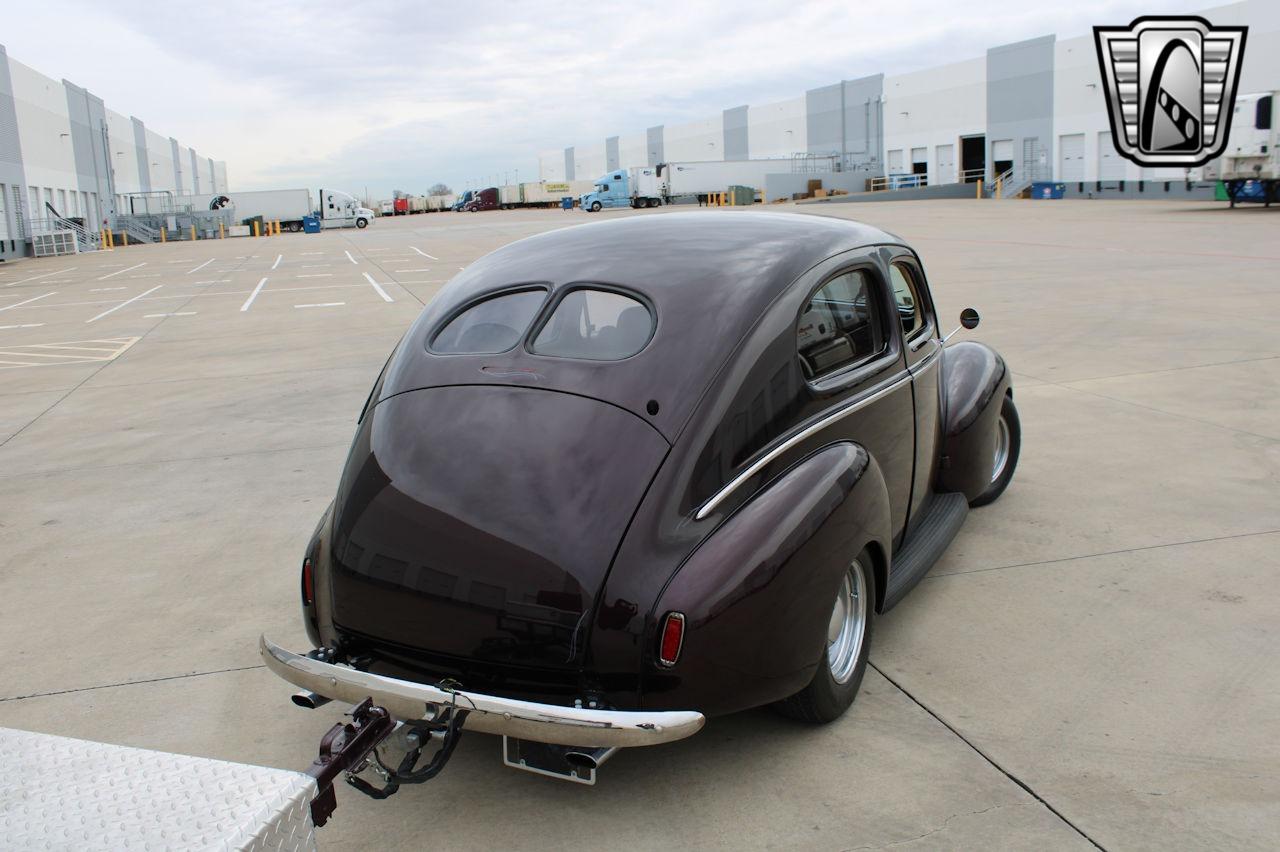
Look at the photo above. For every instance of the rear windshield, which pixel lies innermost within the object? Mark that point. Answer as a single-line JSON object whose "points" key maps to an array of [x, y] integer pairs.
{"points": [[598, 325], [494, 325]]}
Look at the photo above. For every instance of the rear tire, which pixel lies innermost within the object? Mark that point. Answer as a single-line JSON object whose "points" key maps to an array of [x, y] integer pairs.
{"points": [[1008, 444], [844, 656]]}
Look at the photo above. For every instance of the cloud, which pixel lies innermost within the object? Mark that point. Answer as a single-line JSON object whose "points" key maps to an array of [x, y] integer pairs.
{"points": [[393, 94]]}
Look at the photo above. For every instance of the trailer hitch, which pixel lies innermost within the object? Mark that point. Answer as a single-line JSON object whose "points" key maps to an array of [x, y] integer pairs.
{"points": [[348, 748]]}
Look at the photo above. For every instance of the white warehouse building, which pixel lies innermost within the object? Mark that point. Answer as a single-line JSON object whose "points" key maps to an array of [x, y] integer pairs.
{"points": [[1035, 108], [62, 148]]}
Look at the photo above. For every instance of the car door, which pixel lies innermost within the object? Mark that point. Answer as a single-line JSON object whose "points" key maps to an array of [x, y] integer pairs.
{"points": [[850, 350], [922, 346]]}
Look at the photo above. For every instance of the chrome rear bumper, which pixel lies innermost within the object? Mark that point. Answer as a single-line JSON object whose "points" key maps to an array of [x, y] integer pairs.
{"points": [[526, 720]]}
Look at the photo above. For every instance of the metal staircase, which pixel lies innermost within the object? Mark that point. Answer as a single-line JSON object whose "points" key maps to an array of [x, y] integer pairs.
{"points": [[137, 231]]}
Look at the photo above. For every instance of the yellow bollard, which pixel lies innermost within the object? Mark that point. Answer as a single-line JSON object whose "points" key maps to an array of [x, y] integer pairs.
{"points": [[999, 186], [102, 237], [255, 228], [162, 235], [222, 231], [124, 238], [277, 227], [193, 233], [978, 194]]}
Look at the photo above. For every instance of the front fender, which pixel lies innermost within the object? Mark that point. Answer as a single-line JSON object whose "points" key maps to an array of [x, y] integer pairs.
{"points": [[975, 380], [757, 594]]}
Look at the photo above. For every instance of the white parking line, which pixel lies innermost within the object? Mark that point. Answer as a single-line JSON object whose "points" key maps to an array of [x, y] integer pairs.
{"points": [[253, 295], [423, 253], [42, 275], [316, 275], [349, 257], [279, 258], [201, 266], [381, 292], [122, 304], [175, 314], [212, 281], [23, 325], [152, 275], [105, 289], [27, 301], [316, 265], [312, 252], [126, 269], [321, 305], [423, 269]]}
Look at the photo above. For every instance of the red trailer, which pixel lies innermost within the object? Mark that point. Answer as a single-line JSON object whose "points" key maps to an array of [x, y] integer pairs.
{"points": [[402, 206]]}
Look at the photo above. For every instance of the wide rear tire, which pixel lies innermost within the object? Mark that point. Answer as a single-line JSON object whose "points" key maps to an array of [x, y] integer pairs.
{"points": [[844, 656]]}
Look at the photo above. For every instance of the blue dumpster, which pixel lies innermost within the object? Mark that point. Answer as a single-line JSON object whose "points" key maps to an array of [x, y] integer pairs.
{"points": [[311, 224], [566, 203], [1046, 189]]}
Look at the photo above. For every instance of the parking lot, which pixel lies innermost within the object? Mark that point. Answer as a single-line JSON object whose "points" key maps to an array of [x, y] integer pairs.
{"points": [[1093, 662]]}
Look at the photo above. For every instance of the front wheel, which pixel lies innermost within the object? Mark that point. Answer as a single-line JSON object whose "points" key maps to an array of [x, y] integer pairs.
{"points": [[595, 207], [1004, 453], [844, 659], [362, 223]]}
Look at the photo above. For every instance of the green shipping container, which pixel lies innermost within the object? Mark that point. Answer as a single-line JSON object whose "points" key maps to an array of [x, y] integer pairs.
{"points": [[741, 196]]}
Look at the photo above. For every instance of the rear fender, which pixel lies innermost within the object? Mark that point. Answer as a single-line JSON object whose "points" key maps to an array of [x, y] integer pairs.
{"points": [[975, 380], [757, 594]]}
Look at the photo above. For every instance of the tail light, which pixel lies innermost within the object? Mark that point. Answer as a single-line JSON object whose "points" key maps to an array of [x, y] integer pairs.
{"points": [[671, 639], [308, 583]]}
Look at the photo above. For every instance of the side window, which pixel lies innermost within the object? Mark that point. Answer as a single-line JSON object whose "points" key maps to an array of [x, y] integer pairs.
{"points": [[488, 327], [906, 296], [839, 327], [1262, 118]]}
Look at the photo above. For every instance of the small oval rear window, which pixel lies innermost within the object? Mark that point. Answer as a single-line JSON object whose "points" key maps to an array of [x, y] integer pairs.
{"points": [[488, 327], [598, 325]]}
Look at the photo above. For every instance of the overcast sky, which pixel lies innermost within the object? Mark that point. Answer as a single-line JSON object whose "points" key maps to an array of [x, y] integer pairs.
{"points": [[395, 94]]}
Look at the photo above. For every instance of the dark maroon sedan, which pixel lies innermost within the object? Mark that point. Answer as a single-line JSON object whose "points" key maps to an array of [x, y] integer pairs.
{"points": [[623, 476]]}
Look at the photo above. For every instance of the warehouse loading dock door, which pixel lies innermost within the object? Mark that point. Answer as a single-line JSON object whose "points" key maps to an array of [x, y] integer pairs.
{"points": [[973, 158], [1001, 156], [1071, 157], [1110, 163]]}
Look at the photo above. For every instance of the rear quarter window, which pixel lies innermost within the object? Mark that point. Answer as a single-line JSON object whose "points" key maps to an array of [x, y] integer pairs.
{"points": [[491, 326], [598, 325]]}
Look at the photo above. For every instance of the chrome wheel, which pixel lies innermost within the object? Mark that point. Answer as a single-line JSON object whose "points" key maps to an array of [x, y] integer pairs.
{"points": [[1000, 458], [848, 625]]}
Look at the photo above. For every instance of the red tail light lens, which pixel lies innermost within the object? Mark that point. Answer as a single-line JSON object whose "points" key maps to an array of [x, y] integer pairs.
{"points": [[671, 639], [308, 583]]}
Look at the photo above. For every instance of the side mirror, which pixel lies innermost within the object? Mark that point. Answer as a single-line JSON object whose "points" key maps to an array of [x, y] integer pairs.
{"points": [[968, 319]]}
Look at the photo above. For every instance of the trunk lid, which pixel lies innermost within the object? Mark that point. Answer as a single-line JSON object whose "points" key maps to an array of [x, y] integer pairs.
{"points": [[478, 523]]}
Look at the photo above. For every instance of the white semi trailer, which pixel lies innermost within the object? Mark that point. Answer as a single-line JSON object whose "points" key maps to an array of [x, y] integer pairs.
{"points": [[287, 206], [1250, 167]]}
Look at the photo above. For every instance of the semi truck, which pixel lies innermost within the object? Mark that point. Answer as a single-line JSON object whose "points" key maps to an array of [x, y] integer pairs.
{"points": [[483, 199], [340, 209], [1250, 167], [462, 201], [639, 186]]}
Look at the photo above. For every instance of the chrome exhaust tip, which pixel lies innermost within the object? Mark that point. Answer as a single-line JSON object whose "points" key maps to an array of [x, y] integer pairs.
{"points": [[308, 699], [589, 758]]}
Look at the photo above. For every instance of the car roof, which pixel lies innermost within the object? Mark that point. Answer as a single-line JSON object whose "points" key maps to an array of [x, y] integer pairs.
{"points": [[710, 276]]}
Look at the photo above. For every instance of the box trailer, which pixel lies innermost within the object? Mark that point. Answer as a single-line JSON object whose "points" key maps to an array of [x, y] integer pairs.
{"points": [[693, 178], [286, 206], [1250, 167]]}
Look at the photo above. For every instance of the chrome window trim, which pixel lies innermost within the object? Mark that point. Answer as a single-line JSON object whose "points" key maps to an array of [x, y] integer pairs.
{"points": [[787, 443]]}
